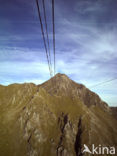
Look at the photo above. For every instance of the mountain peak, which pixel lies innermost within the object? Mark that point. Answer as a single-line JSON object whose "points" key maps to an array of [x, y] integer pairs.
{"points": [[62, 85], [59, 84], [58, 81], [61, 76]]}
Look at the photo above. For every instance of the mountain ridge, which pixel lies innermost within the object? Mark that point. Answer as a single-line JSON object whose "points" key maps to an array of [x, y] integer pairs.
{"points": [[55, 118], [55, 79]]}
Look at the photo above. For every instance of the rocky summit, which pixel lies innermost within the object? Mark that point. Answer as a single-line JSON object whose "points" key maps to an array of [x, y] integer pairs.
{"points": [[55, 118]]}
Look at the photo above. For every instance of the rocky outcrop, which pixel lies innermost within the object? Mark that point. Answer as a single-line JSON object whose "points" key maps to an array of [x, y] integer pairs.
{"points": [[78, 141], [62, 121]]}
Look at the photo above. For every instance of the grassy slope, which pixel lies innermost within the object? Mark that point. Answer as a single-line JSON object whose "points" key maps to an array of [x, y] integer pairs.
{"points": [[29, 122]]}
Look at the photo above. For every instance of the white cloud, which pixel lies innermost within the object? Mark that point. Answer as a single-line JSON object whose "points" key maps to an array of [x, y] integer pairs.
{"points": [[84, 51]]}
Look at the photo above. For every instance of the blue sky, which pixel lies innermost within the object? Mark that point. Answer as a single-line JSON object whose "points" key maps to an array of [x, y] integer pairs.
{"points": [[86, 43]]}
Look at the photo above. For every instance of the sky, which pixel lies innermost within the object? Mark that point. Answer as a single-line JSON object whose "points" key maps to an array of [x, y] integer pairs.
{"points": [[86, 43]]}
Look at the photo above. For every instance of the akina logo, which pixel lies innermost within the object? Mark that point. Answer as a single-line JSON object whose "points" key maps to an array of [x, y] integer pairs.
{"points": [[99, 150]]}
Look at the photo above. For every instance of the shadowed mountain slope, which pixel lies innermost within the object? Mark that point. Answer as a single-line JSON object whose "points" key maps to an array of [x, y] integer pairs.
{"points": [[114, 111], [53, 119]]}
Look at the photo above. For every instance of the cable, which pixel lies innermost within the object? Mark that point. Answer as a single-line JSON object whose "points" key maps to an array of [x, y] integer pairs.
{"points": [[53, 34], [47, 33], [38, 8], [103, 83]]}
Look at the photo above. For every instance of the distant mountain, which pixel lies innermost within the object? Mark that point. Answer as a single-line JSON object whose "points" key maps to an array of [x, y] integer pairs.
{"points": [[55, 118]]}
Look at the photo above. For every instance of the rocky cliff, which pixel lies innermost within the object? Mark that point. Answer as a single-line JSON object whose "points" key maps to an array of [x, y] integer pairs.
{"points": [[55, 118]]}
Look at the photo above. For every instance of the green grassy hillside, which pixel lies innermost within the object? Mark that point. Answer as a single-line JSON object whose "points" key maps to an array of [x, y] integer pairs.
{"points": [[53, 119]]}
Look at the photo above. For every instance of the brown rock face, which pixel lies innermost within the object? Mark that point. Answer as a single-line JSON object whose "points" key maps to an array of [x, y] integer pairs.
{"points": [[61, 85], [55, 118]]}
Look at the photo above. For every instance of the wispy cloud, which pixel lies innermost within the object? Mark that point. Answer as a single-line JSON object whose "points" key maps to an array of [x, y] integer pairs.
{"points": [[86, 47]]}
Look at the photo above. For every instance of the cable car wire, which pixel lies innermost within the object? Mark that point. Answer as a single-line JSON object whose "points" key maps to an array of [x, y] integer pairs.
{"points": [[38, 8], [46, 27], [103, 82], [53, 35]]}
